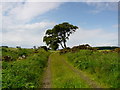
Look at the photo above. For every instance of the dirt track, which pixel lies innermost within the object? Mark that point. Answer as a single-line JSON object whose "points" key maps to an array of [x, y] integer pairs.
{"points": [[47, 76], [86, 78]]}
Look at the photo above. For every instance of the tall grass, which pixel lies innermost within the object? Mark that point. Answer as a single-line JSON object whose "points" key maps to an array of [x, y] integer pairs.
{"points": [[103, 66], [25, 73], [15, 53]]}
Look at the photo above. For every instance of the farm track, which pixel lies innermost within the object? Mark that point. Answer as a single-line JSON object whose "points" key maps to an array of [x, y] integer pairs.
{"points": [[47, 76]]}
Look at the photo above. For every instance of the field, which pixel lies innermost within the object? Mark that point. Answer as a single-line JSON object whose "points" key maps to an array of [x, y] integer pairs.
{"points": [[37, 68]]}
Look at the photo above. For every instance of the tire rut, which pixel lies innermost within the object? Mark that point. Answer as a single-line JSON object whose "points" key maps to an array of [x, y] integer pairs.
{"points": [[89, 81], [47, 76]]}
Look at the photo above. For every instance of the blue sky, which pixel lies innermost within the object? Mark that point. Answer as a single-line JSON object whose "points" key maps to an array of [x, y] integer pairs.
{"points": [[24, 24], [80, 13]]}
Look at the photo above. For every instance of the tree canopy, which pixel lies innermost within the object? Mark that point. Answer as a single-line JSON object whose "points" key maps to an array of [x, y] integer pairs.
{"points": [[59, 35]]}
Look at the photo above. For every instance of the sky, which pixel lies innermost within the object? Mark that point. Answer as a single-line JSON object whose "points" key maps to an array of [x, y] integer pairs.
{"points": [[25, 23]]}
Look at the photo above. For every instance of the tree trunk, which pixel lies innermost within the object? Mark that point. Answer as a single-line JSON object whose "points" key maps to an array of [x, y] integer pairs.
{"points": [[61, 45], [63, 40], [64, 44]]}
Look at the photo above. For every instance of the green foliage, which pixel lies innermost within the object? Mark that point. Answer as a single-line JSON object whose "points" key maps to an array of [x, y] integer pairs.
{"points": [[59, 35], [107, 48], [43, 47], [103, 66], [15, 53], [25, 73], [77, 48]]}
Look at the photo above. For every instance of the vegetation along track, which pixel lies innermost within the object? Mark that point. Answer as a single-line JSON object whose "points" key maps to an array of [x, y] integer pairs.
{"points": [[60, 74]]}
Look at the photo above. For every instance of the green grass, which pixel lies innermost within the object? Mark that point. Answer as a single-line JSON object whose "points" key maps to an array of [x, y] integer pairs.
{"points": [[25, 73], [0, 68], [28, 72], [63, 76], [102, 66], [15, 53]]}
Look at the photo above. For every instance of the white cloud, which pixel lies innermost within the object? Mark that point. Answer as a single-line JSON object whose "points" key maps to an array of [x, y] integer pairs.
{"points": [[94, 37], [0, 23], [17, 29], [13, 0], [25, 12], [32, 34], [102, 6], [26, 35], [28, 27], [61, 0], [116, 26]]}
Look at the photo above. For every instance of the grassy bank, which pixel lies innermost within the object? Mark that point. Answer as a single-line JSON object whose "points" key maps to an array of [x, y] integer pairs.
{"points": [[102, 66], [15, 53], [26, 72]]}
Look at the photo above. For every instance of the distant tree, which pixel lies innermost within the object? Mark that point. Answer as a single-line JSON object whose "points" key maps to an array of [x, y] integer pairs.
{"points": [[5, 46], [34, 47], [59, 35], [44, 47], [18, 46]]}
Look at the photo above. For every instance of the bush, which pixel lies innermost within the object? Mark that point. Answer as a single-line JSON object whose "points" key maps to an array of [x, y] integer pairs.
{"points": [[44, 47], [78, 48], [14, 53], [117, 50], [18, 46]]}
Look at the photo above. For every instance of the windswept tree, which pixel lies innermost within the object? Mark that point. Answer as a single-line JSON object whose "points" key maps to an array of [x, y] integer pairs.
{"points": [[59, 35]]}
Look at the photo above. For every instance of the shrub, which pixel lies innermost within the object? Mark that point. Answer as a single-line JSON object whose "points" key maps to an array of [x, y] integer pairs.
{"points": [[44, 47], [4, 46], [78, 48], [18, 46], [117, 50]]}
